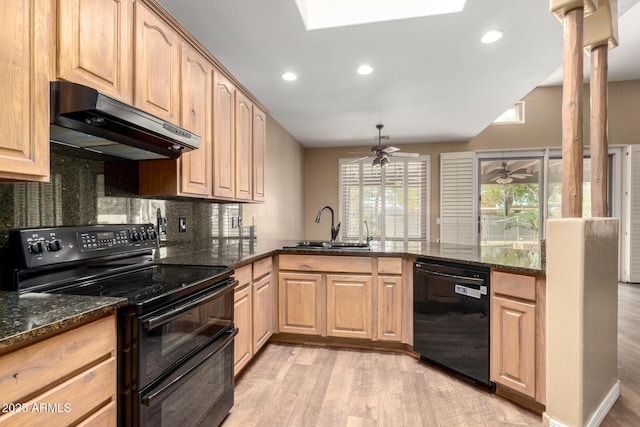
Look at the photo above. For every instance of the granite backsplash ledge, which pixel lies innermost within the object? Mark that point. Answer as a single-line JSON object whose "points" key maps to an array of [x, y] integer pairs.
{"points": [[77, 195]]}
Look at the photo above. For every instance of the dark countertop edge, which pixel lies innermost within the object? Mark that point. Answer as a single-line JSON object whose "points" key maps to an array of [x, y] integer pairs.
{"points": [[61, 325]]}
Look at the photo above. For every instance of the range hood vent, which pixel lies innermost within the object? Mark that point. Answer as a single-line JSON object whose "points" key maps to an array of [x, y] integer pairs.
{"points": [[82, 117]]}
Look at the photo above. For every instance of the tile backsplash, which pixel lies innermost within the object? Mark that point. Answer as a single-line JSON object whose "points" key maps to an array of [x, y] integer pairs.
{"points": [[77, 195]]}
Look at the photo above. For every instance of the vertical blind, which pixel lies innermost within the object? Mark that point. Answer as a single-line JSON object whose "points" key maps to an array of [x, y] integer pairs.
{"points": [[458, 207], [394, 201]]}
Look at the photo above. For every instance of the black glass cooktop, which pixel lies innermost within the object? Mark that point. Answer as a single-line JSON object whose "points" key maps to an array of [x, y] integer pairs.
{"points": [[150, 286]]}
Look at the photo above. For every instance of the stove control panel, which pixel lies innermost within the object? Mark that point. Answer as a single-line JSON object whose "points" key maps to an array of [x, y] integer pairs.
{"points": [[50, 246]]}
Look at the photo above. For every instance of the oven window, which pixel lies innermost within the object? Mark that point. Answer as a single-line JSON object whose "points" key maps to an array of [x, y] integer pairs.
{"points": [[197, 325], [203, 399], [165, 343]]}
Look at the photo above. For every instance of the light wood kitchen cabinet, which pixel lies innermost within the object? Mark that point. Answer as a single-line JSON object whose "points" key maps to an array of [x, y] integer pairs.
{"points": [[389, 289], [254, 314], [242, 319], [223, 137], [301, 305], [259, 150], [517, 333], [263, 303], [191, 174], [349, 306], [75, 370], [390, 308], [26, 69], [243, 147], [197, 115], [95, 44], [341, 296], [157, 65]]}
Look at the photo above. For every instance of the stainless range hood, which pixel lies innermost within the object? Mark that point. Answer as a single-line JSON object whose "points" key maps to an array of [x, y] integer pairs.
{"points": [[84, 118]]}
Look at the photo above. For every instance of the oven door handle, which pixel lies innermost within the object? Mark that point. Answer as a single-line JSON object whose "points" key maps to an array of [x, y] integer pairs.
{"points": [[467, 280], [167, 316], [158, 395]]}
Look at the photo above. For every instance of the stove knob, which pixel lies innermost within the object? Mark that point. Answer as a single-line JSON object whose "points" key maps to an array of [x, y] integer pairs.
{"points": [[135, 236], [145, 235], [153, 235], [36, 248], [54, 245]]}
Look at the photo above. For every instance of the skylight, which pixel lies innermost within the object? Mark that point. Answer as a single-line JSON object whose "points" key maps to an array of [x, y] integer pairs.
{"points": [[338, 13]]}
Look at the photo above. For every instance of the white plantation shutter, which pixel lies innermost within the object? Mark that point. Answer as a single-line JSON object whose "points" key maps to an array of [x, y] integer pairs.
{"points": [[393, 200], [631, 215], [458, 207]]}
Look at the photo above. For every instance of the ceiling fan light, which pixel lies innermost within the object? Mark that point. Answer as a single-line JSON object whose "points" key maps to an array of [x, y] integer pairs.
{"points": [[376, 162], [384, 161]]}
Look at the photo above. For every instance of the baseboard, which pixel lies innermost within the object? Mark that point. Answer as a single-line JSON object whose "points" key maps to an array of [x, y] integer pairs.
{"points": [[605, 406], [598, 416]]}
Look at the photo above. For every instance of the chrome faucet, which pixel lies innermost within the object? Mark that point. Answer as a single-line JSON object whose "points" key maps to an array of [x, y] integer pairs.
{"points": [[334, 230], [369, 237]]}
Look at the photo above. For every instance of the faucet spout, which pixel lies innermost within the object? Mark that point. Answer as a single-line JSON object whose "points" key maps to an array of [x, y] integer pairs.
{"points": [[334, 229]]}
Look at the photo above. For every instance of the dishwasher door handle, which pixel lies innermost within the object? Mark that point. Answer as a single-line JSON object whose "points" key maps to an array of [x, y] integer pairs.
{"points": [[467, 280]]}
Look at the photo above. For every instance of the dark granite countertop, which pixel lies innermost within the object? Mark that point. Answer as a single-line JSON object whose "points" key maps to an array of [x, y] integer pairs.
{"points": [[27, 316], [238, 252]]}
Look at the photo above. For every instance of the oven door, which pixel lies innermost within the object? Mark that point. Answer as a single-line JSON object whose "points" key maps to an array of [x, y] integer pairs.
{"points": [[169, 336], [199, 392]]}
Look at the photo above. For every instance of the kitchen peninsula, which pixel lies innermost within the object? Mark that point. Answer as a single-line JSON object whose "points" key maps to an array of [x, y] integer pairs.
{"points": [[377, 292]]}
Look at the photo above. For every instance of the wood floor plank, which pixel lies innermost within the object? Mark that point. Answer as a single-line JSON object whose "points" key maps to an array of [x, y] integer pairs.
{"points": [[290, 385]]}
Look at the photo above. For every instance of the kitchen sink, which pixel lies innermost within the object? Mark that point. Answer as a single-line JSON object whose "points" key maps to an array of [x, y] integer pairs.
{"points": [[324, 245]]}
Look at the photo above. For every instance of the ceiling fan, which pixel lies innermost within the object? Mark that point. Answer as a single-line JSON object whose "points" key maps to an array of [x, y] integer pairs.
{"points": [[506, 176], [381, 153]]}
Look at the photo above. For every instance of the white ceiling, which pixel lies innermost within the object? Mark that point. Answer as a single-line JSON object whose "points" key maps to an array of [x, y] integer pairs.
{"points": [[433, 80]]}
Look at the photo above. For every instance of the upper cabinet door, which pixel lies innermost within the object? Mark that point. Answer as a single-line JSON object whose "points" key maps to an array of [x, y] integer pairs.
{"points": [[244, 159], [25, 68], [157, 65], [223, 137], [259, 147], [95, 41], [196, 116]]}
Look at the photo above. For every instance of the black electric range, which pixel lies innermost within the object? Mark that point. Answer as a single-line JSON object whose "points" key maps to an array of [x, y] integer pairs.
{"points": [[175, 334]]}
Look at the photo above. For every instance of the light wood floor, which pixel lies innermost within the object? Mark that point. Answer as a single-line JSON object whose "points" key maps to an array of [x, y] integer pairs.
{"points": [[314, 386]]}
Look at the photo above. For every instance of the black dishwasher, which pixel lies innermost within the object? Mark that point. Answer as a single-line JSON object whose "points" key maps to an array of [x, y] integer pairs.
{"points": [[451, 318]]}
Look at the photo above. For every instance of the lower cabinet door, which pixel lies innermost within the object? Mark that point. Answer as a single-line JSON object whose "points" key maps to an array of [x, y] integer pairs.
{"points": [[242, 319], [349, 306], [300, 301], [262, 312], [390, 308], [513, 344]]}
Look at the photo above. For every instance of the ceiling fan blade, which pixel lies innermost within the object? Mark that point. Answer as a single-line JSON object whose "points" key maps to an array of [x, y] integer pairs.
{"points": [[493, 179], [390, 149], [520, 175], [358, 152], [403, 154], [360, 159]]}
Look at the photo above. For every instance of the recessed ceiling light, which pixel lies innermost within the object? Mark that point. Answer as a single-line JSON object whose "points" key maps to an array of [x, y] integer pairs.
{"points": [[289, 76], [365, 69], [491, 36]]}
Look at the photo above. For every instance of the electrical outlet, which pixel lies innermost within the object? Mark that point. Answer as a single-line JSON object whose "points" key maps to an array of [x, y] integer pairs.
{"points": [[182, 224]]}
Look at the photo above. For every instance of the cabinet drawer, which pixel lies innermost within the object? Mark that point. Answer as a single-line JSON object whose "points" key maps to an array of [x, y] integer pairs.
{"points": [[32, 369], [515, 285], [243, 276], [389, 265], [330, 264], [262, 267], [84, 394]]}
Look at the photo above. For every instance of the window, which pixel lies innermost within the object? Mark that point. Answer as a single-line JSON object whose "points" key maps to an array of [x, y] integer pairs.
{"points": [[513, 115], [394, 201]]}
